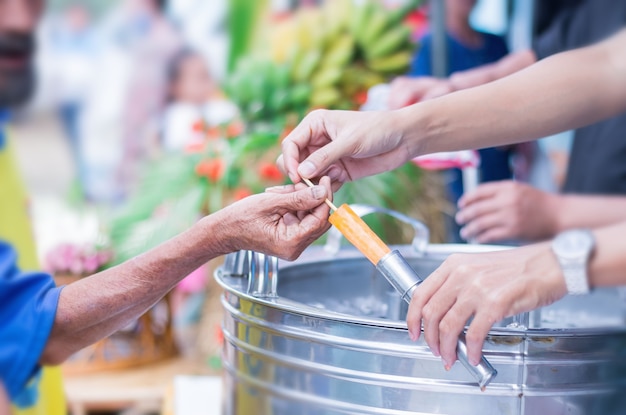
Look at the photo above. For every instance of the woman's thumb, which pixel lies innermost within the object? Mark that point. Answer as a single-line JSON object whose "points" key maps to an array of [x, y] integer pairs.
{"points": [[319, 161]]}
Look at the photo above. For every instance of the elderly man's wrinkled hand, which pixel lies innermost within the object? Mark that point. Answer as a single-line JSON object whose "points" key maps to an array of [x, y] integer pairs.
{"points": [[281, 222], [488, 287]]}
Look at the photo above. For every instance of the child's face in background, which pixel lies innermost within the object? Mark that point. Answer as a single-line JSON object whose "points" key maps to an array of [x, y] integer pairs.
{"points": [[193, 83], [460, 8]]}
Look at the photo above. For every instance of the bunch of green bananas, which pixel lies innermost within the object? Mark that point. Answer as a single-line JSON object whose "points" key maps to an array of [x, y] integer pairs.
{"points": [[324, 57], [358, 45], [264, 89], [383, 40]]}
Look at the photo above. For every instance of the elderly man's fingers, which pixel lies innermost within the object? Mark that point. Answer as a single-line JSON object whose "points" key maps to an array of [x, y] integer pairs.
{"points": [[288, 188], [289, 219], [327, 183], [304, 199]]}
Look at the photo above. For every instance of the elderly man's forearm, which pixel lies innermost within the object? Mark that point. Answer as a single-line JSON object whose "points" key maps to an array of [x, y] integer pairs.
{"points": [[97, 306]]}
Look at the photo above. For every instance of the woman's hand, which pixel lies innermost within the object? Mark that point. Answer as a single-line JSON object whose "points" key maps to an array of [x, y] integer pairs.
{"points": [[498, 211], [407, 91], [343, 145], [488, 287], [281, 222]]}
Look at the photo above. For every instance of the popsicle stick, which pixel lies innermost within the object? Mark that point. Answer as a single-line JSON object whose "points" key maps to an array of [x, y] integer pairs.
{"points": [[328, 202]]}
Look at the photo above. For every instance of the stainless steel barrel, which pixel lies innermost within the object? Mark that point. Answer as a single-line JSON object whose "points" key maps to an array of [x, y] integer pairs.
{"points": [[332, 340]]}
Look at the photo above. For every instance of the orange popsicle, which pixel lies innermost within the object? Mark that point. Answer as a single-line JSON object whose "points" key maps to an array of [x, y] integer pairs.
{"points": [[358, 233]]}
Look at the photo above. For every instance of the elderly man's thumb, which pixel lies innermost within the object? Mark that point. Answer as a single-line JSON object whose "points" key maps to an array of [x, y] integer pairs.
{"points": [[305, 199]]}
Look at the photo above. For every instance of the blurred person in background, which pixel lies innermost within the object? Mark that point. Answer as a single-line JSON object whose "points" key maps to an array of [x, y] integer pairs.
{"points": [[43, 324], [597, 161], [152, 42], [193, 97], [466, 48], [121, 116], [73, 46]]}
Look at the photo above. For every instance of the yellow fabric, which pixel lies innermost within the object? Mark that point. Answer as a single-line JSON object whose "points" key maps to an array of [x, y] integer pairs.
{"points": [[15, 228]]}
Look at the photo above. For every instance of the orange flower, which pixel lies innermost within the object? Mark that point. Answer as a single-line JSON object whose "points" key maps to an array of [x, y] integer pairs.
{"points": [[360, 97], [269, 171], [211, 169], [198, 126], [234, 129], [242, 193], [219, 334], [213, 133]]}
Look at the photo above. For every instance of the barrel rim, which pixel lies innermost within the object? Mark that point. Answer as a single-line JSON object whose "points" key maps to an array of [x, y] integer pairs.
{"points": [[316, 254]]}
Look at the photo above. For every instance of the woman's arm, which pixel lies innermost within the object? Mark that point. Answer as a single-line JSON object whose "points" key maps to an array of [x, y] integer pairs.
{"points": [[565, 91], [481, 75]]}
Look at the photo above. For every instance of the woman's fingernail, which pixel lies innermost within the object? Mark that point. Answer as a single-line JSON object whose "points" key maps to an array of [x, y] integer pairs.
{"points": [[459, 219], [411, 335], [306, 169]]}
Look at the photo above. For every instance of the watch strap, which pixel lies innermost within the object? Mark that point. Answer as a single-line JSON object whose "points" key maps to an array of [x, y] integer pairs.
{"points": [[576, 279]]}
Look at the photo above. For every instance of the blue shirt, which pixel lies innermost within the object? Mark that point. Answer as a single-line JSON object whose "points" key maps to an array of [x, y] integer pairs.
{"points": [[28, 303], [4, 118], [460, 57]]}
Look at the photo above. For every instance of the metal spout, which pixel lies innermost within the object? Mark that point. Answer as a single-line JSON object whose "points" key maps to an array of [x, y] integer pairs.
{"points": [[405, 280], [263, 276], [236, 264]]}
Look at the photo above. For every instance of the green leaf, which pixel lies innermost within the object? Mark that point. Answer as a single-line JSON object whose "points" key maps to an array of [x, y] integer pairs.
{"points": [[243, 21]]}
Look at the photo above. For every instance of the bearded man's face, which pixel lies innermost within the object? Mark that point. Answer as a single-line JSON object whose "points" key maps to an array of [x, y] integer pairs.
{"points": [[18, 21]]}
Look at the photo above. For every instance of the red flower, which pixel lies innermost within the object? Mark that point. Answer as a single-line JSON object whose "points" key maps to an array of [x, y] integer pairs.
{"points": [[211, 169], [198, 126], [269, 171], [234, 129], [242, 193], [219, 334], [213, 133], [360, 98]]}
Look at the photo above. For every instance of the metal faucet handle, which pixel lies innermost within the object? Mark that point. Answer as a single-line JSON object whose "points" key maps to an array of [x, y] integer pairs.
{"points": [[236, 264]]}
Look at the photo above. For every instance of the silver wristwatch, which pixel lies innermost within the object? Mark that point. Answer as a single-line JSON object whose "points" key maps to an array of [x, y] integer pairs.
{"points": [[573, 249]]}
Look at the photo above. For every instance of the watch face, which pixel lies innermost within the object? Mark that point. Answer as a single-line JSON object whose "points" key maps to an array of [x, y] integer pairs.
{"points": [[574, 244]]}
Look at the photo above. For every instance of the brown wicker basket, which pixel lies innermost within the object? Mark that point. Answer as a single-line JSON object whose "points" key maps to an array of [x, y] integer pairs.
{"points": [[148, 340]]}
